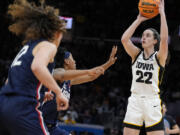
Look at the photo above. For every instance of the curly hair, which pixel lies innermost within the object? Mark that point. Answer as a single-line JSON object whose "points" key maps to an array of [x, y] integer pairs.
{"points": [[34, 22]]}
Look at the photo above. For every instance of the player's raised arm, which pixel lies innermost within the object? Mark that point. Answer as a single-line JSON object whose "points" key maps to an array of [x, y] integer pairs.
{"points": [[60, 74], [112, 58], [163, 48], [130, 48], [87, 78]]}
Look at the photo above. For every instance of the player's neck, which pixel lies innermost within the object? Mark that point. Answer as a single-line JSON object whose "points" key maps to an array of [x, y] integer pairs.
{"points": [[148, 52], [56, 43]]}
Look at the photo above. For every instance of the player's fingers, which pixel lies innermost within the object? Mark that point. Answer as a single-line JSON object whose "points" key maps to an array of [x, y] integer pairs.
{"points": [[115, 46], [158, 2], [114, 60], [114, 50], [162, 2], [60, 107]]}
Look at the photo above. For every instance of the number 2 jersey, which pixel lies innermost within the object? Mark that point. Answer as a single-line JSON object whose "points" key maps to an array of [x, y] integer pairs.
{"points": [[147, 75], [21, 80]]}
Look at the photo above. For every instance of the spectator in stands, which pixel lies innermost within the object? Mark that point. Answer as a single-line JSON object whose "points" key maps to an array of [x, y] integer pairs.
{"points": [[69, 119], [171, 127], [74, 114]]}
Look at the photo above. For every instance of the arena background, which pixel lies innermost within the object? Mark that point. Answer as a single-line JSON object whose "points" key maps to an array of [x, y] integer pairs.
{"points": [[97, 26]]}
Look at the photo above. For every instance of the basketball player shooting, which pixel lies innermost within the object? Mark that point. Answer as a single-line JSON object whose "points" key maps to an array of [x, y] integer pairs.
{"points": [[144, 104]]}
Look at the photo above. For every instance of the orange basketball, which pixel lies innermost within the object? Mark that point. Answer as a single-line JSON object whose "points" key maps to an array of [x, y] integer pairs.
{"points": [[148, 8]]}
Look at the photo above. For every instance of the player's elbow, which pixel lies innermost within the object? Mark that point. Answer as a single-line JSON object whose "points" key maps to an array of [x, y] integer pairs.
{"points": [[124, 39], [164, 45], [58, 76], [35, 67], [164, 39]]}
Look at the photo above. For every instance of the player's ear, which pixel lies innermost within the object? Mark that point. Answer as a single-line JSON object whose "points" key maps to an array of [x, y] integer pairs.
{"points": [[155, 41], [66, 62]]}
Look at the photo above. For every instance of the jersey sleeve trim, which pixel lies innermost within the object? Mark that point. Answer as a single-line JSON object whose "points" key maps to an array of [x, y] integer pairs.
{"points": [[160, 76], [136, 58], [158, 61]]}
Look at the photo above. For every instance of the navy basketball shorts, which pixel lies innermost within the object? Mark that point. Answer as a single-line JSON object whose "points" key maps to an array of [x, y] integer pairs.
{"points": [[19, 115]]}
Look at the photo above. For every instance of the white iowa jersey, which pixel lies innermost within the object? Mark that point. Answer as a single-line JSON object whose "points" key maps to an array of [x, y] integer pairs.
{"points": [[147, 75]]}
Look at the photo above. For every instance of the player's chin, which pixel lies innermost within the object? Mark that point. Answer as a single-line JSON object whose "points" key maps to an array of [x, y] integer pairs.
{"points": [[145, 46]]}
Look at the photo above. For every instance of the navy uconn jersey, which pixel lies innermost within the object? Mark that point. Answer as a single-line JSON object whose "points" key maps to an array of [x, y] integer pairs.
{"points": [[49, 109], [66, 89], [147, 75], [21, 79]]}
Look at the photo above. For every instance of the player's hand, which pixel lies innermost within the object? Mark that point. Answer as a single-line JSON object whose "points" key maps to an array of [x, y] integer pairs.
{"points": [[161, 6], [167, 131], [62, 102], [48, 96], [142, 18], [112, 58], [99, 70], [96, 71]]}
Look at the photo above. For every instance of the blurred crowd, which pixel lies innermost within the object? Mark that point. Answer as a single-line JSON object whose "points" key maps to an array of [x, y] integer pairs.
{"points": [[103, 101]]}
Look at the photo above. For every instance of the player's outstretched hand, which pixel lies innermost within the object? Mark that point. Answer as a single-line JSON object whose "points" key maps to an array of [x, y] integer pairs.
{"points": [[113, 58], [62, 102]]}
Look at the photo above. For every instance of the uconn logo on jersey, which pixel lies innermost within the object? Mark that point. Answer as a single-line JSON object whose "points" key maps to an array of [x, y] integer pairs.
{"points": [[66, 89]]}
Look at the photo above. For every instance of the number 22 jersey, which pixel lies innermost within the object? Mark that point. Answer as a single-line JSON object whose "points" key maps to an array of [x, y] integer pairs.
{"points": [[147, 75]]}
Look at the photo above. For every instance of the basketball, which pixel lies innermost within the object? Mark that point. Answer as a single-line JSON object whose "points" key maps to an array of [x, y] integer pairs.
{"points": [[148, 8]]}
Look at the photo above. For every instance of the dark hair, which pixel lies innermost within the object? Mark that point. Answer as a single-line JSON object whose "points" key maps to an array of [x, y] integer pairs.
{"points": [[34, 22], [60, 56], [156, 47], [157, 37]]}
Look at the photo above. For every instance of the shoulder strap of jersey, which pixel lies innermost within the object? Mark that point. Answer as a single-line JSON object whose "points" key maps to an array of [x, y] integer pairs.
{"points": [[157, 60], [136, 57]]}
